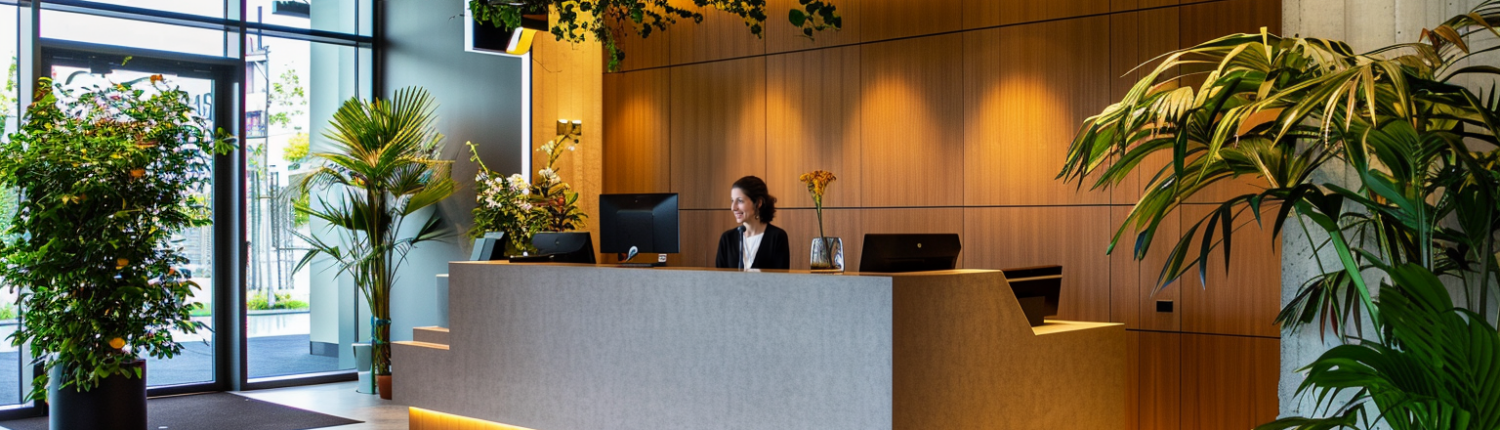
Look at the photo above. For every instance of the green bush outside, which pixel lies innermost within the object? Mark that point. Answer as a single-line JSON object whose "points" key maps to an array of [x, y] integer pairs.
{"points": [[257, 302]]}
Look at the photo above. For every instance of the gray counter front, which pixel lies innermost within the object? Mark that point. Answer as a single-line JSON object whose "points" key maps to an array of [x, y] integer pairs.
{"points": [[574, 347]]}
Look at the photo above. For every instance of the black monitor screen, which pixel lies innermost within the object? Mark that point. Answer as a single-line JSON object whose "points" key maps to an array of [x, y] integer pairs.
{"points": [[894, 253], [645, 221]]}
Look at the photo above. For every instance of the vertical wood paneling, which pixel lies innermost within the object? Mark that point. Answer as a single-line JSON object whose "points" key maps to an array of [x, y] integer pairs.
{"points": [[1013, 12], [573, 89], [1167, 235], [1136, 38], [1025, 103], [1124, 5], [718, 129], [812, 122], [636, 145], [1124, 275], [721, 35], [1132, 380], [1072, 236], [1245, 300], [801, 227], [782, 37], [641, 53], [1229, 382], [918, 220], [890, 19], [1160, 378], [912, 115], [700, 230]]}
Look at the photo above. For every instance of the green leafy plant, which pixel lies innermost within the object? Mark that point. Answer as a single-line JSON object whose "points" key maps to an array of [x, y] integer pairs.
{"points": [[510, 205], [260, 302], [608, 21], [120, 163], [383, 170], [1274, 111]]}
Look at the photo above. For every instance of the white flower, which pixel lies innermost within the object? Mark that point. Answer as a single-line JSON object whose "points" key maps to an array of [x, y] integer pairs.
{"points": [[517, 183], [550, 176], [525, 206]]}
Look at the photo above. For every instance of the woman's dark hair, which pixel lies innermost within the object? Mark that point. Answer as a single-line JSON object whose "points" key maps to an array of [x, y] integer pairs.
{"points": [[755, 189]]}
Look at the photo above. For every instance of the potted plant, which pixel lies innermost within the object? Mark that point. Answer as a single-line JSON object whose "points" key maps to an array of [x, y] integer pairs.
{"points": [[1424, 201], [383, 169], [576, 19], [510, 205], [108, 175]]}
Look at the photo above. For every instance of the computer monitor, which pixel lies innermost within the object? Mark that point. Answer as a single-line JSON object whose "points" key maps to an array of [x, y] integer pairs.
{"points": [[564, 247], [1037, 289], [647, 222], [489, 247], [894, 253]]}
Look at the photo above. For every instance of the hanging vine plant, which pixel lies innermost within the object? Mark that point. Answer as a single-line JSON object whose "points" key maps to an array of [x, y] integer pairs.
{"points": [[607, 21]]}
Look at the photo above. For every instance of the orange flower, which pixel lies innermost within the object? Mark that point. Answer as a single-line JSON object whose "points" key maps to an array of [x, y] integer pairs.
{"points": [[137, 173], [817, 183], [156, 78], [117, 343], [121, 263]]}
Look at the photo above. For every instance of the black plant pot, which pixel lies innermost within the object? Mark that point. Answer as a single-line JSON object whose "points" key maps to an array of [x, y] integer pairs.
{"points": [[118, 403]]}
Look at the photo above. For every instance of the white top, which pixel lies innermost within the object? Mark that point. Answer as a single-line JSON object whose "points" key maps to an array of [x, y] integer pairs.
{"points": [[752, 244]]}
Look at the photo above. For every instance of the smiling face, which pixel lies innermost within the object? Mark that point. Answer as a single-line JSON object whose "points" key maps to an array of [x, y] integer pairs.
{"points": [[741, 206]]}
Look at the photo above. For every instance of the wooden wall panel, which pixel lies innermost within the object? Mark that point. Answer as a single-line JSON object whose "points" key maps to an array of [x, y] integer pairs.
{"points": [[636, 145], [1160, 377], [813, 122], [1136, 38], [1229, 382], [782, 37], [1072, 236], [1244, 301], [1025, 103], [801, 227], [1132, 380], [1124, 5], [718, 129], [572, 89], [642, 53], [912, 115], [915, 220], [1124, 275], [979, 14], [699, 235], [721, 35], [1133, 283], [890, 19]]}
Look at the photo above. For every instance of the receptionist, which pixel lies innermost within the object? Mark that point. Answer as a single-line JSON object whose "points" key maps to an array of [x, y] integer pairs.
{"points": [[755, 244]]}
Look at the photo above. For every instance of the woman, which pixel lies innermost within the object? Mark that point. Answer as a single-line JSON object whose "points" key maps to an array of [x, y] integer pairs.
{"points": [[755, 244]]}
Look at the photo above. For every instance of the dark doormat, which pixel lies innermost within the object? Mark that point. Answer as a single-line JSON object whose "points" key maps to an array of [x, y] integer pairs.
{"points": [[215, 411]]}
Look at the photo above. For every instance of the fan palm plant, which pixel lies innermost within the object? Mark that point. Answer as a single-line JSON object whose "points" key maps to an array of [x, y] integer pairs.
{"points": [[1271, 110], [382, 170]]}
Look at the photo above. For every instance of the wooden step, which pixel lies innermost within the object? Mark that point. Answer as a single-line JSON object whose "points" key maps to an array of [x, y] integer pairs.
{"points": [[434, 334]]}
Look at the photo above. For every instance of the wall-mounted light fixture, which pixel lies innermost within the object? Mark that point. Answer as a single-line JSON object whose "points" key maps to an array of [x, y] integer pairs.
{"points": [[569, 131]]}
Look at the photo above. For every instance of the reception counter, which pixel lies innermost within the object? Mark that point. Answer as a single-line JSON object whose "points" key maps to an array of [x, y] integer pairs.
{"points": [[577, 347]]}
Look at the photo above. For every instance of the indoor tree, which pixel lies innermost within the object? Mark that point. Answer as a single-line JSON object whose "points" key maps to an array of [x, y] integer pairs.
{"points": [[383, 168], [1421, 207], [108, 174]]}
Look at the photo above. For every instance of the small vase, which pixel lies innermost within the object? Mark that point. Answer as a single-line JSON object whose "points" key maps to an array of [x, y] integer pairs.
{"points": [[828, 254]]}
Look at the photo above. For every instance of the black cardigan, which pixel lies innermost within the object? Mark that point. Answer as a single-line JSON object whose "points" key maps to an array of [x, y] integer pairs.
{"points": [[774, 251]]}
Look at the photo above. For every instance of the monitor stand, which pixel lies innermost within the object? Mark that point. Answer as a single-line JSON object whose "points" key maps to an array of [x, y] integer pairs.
{"points": [[661, 261]]}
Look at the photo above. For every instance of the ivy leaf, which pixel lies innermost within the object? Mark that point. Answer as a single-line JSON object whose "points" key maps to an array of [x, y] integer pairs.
{"points": [[797, 17]]}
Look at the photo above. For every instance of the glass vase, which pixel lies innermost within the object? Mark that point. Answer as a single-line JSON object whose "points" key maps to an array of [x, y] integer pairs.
{"points": [[827, 254]]}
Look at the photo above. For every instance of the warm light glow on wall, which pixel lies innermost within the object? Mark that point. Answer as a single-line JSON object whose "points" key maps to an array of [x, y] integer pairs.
{"points": [[423, 419]]}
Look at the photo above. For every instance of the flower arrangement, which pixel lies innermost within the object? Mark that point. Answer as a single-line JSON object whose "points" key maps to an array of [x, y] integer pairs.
{"points": [[520, 210], [817, 183], [110, 173]]}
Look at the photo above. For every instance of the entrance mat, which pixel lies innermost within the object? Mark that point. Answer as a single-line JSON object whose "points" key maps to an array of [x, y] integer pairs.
{"points": [[215, 411]]}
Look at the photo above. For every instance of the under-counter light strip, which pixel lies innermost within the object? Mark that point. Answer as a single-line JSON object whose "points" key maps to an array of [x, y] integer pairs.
{"points": [[424, 419]]}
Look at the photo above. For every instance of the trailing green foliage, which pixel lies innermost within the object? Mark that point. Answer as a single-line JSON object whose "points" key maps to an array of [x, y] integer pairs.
{"points": [[384, 169], [108, 175], [1425, 197], [607, 21]]}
